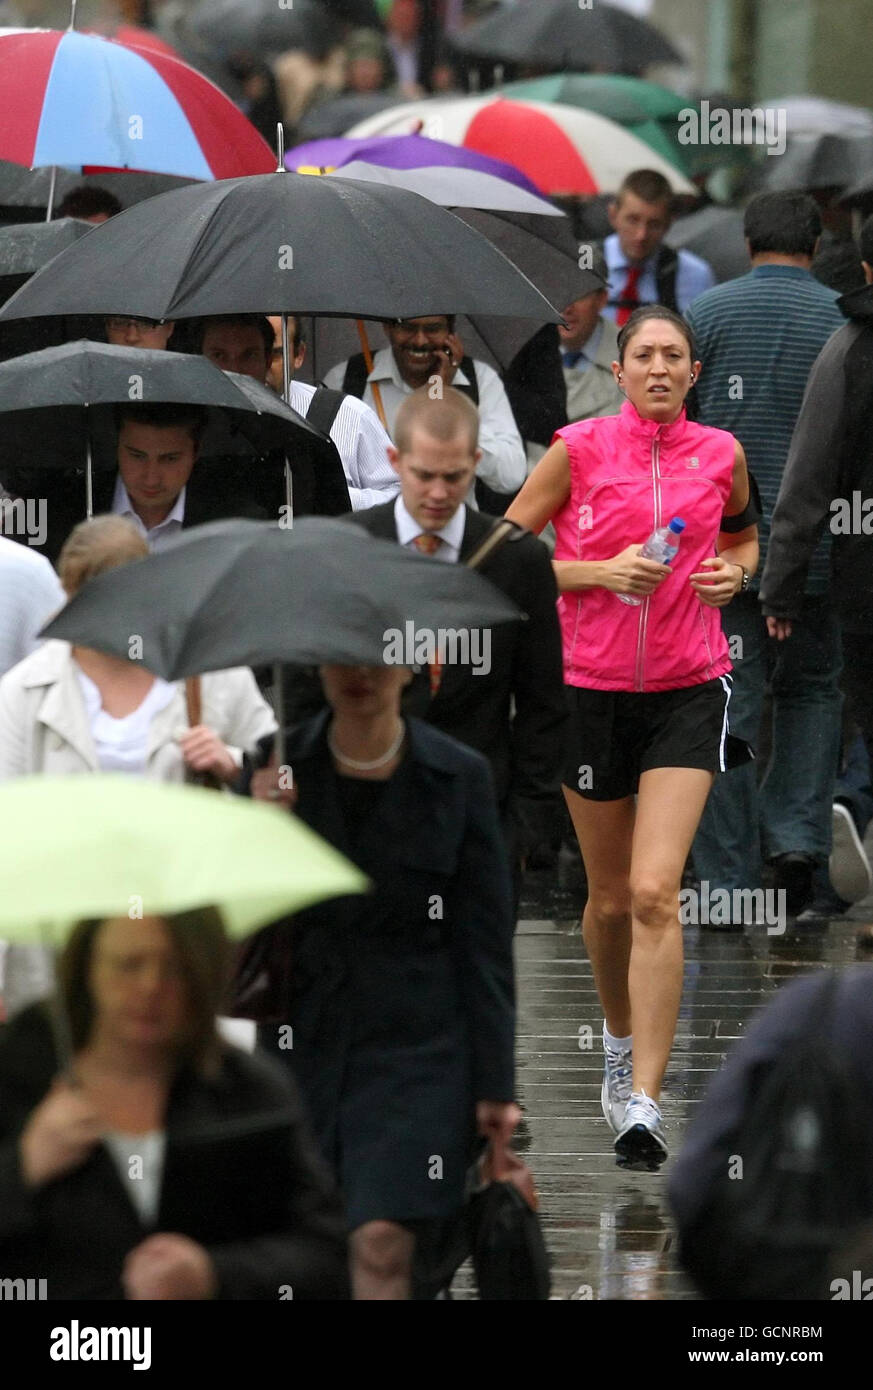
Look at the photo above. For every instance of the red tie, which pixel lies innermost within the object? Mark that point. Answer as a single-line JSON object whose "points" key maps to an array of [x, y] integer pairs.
{"points": [[429, 544], [630, 298]]}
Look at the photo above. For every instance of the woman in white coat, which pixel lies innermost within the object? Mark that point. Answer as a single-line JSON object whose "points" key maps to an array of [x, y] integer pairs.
{"points": [[68, 709]]}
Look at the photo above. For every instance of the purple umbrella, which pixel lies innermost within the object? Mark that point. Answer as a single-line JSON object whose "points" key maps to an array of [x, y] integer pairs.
{"points": [[401, 152]]}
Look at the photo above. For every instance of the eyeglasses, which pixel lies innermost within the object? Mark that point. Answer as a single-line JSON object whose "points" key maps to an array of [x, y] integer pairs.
{"points": [[122, 324]]}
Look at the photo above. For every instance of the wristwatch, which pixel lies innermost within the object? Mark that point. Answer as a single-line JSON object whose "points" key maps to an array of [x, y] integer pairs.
{"points": [[747, 578]]}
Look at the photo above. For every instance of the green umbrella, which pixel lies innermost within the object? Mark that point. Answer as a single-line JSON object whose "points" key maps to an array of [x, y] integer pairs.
{"points": [[114, 846], [646, 109]]}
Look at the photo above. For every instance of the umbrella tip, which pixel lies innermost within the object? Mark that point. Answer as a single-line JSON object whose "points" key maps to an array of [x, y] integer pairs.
{"points": [[72, 24], [280, 144]]}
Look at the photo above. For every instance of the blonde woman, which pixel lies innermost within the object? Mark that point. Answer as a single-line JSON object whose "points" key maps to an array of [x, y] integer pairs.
{"points": [[68, 709]]}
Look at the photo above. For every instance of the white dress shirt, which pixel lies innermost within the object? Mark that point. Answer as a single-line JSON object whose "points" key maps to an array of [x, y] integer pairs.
{"points": [[30, 594], [362, 445], [503, 465], [156, 536], [122, 745], [693, 276], [451, 535], [142, 1184]]}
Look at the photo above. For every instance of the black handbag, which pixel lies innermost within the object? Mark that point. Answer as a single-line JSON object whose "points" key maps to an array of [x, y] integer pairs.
{"points": [[507, 1247]]}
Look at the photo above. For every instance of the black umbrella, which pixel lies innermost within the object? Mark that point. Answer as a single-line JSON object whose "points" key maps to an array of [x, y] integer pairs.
{"points": [[336, 115], [715, 233], [563, 34], [282, 242], [544, 249], [814, 161], [265, 25], [29, 188], [56, 408], [335, 594], [27, 246]]}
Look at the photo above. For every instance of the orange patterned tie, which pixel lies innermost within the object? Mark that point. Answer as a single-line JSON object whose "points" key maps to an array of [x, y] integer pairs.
{"points": [[429, 544]]}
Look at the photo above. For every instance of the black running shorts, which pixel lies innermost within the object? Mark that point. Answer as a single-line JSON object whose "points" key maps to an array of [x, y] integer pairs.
{"points": [[615, 735]]}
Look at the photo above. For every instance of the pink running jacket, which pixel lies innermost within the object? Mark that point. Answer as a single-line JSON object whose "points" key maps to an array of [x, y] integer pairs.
{"points": [[629, 476]]}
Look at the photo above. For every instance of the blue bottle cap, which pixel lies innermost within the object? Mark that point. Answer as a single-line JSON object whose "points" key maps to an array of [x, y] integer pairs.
{"points": [[677, 525]]}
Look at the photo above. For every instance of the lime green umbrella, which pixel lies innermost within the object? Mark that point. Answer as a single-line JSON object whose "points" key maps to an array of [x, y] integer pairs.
{"points": [[114, 846], [646, 109]]}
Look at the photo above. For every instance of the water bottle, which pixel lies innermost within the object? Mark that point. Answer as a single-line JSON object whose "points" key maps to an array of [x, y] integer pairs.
{"points": [[662, 546]]}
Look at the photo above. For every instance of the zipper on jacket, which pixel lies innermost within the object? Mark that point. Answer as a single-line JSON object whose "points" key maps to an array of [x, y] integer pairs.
{"points": [[656, 510]]}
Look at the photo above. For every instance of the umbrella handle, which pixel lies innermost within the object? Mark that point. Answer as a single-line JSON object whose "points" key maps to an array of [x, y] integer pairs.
{"points": [[374, 385], [51, 198]]}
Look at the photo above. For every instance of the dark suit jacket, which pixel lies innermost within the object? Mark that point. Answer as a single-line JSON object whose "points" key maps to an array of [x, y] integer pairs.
{"points": [[516, 714], [206, 499], [241, 1177], [434, 832]]}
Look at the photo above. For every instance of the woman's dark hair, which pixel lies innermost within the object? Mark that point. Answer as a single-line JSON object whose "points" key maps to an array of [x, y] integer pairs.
{"points": [[786, 224], [654, 311], [199, 937]]}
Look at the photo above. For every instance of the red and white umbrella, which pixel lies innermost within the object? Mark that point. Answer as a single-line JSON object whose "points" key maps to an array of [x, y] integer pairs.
{"points": [[561, 149], [83, 102]]}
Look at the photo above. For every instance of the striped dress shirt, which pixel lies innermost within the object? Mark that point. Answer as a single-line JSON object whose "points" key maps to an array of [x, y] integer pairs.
{"points": [[362, 445]]}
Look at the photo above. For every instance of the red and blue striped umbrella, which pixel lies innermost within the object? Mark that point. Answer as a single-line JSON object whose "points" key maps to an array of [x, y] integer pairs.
{"points": [[80, 101]]}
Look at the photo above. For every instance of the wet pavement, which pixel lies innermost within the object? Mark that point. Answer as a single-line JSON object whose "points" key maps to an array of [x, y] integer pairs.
{"points": [[608, 1230]]}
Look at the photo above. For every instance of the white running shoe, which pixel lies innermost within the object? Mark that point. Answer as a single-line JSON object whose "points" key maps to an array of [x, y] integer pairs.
{"points": [[616, 1089], [850, 874], [640, 1143]]}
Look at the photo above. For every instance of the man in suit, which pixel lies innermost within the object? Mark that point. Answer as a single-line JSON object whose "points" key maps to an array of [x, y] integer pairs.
{"points": [[158, 482], [158, 486], [514, 713], [589, 346], [643, 269]]}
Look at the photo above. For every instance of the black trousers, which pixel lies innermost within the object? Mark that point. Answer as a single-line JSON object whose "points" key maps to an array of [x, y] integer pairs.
{"points": [[858, 682]]}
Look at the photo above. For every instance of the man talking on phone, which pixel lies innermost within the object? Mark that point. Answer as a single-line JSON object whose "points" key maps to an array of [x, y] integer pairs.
{"points": [[427, 351]]}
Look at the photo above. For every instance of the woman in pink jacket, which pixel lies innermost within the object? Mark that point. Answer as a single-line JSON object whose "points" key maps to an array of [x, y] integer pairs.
{"points": [[649, 684]]}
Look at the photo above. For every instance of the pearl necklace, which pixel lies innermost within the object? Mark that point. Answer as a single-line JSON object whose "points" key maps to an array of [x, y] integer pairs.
{"points": [[368, 766]]}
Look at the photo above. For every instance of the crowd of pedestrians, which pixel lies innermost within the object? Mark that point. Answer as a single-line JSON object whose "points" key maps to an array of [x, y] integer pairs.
{"points": [[621, 714]]}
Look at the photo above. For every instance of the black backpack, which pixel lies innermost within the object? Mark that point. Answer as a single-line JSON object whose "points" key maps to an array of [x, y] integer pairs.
{"points": [[770, 1230]]}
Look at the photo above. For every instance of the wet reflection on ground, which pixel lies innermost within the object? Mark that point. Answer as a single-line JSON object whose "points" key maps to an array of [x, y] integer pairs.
{"points": [[609, 1231]]}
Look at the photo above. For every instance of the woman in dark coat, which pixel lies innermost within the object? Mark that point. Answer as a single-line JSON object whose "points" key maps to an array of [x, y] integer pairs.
{"points": [[174, 1166], [401, 1003]]}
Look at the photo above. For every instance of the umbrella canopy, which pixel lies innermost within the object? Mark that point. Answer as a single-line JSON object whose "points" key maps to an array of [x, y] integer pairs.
{"points": [[453, 188], [646, 109], [544, 249], [50, 403], [257, 26], [807, 115], [814, 161], [553, 33], [561, 149], [334, 595], [26, 246], [30, 189], [282, 243], [79, 100], [335, 115], [716, 234], [400, 152], [82, 847]]}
